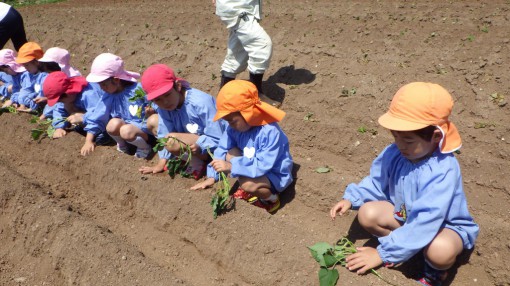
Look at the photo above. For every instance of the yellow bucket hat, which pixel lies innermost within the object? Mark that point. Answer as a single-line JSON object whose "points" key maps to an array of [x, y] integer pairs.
{"points": [[420, 104], [242, 96]]}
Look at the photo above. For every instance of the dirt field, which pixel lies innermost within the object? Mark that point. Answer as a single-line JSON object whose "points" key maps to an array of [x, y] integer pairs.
{"points": [[70, 220]]}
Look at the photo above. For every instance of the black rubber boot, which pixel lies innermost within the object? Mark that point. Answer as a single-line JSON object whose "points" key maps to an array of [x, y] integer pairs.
{"points": [[256, 79], [225, 79]]}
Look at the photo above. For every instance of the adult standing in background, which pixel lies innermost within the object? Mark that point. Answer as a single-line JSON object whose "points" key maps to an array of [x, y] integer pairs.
{"points": [[249, 46], [11, 27]]}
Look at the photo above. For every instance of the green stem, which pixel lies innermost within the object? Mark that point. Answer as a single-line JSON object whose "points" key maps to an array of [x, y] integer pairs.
{"points": [[380, 277]]}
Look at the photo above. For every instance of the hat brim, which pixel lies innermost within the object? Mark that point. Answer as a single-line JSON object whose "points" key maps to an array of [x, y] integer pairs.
{"points": [[220, 114], [53, 101], [97, 78], [160, 91], [24, 60], [17, 68], [47, 60], [391, 122]]}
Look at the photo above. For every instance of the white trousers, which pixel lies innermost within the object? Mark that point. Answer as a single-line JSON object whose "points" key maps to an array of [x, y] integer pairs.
{"points": [[248, 46]]}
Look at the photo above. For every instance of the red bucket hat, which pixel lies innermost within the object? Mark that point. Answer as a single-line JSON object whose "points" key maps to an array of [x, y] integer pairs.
{"points": [[57, 83], [420, 104], [242, 96], [158, 79]]}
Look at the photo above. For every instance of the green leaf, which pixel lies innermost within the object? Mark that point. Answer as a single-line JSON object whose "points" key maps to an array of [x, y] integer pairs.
{"points": [[139, 94], [324, 169], [318, 250], [50, 131], [34, 119], [36, 133], [328, 277], [329, 260], [160, 144]]}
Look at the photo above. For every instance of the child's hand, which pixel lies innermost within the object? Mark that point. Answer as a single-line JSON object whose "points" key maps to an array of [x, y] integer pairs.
{"points": [[87, 148], [9, 89], [75, 119], [221, 166], [341, 207], [365, 259], [40, 100], [59, 133], [195, 149], [23, 108], [149, 111], [203, 185], [151, 170]]}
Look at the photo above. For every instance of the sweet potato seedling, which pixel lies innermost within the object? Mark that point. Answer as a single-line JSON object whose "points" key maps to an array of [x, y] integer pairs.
{"points": [[329, 256], [139, 95], [221, 200], [8, 109], [44, 128], [176, 164]]}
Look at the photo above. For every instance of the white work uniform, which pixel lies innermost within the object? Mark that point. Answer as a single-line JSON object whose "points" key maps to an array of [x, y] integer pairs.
{"points": [[248, 44]]}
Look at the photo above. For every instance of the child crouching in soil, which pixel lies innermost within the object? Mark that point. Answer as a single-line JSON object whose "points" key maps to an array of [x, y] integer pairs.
{"points": [[124, 118], [74, 99], [13, 75], [413, 199], [31, 87], [183, 113], [253, 148]]}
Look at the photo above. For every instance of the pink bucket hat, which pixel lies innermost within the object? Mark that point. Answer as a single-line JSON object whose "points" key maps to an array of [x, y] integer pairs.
{"points": [[8, 58], [62, 58], [109, 65], [420, 104], [159, 79]]}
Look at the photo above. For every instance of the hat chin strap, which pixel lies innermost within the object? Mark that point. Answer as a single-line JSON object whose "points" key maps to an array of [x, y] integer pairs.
{"points": [[442, 138], [443, 142]]}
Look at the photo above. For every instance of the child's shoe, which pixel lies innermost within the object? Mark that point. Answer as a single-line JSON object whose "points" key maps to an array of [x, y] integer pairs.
{"points": [[241, 194], [269, 206], [196, 168], [432, 277], [143, 153], [122, 148], [102, 138]]}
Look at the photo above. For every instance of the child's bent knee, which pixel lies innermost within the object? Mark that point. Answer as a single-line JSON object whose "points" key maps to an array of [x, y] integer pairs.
{"points": [[368, 215], [247, 186], [114, 125], [127, 132], [444, 249]]}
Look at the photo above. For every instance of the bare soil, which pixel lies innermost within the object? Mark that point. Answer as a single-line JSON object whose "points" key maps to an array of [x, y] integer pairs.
{"points": [[72, 220]]}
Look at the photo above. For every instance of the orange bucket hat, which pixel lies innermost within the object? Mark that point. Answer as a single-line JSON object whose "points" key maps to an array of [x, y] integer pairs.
{"points": [[242, 96], [28, 52], [420, 104]]}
